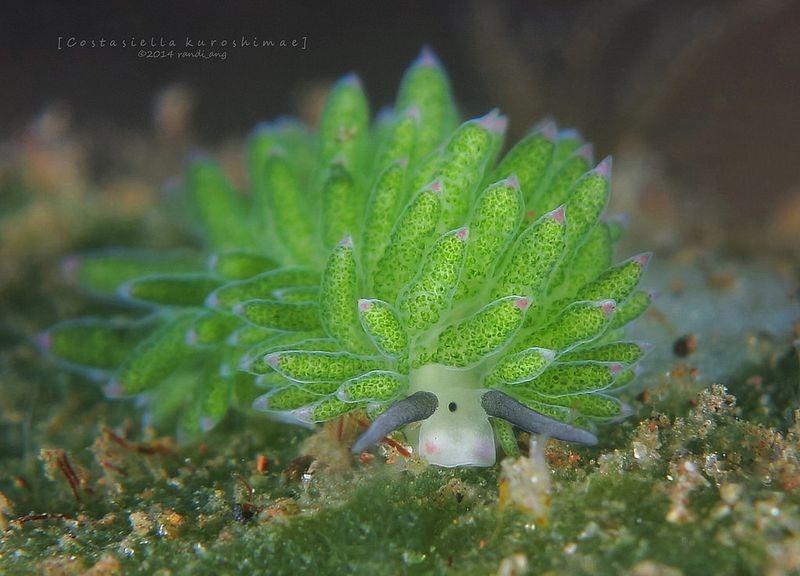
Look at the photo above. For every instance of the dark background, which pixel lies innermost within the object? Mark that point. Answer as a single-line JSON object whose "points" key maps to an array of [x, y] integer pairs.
{"points": [[709, 90], [378, 39]]}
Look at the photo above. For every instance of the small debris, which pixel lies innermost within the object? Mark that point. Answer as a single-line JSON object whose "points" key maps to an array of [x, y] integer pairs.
{"points": [[646, 443], [163, 446], [559, 456], [169, 524], [686, 479], [107, 565], [297, 468], [397, 446], [6, 509], [329, 446], [261, 464], [280, 508], [456, 490], [243, 512], [650, 568], [756, 381], [715, 400], [676, 287], [141, 523], [515, 565], [525, 482], [684, 346], [116, 456], [592, 530], [722, 280], [57, 461], [62, 565], [730, 493], [22, 520], [249, 490]]}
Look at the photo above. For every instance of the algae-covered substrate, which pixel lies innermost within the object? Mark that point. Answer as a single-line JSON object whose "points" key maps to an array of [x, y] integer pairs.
{"points": [[703, 478]]}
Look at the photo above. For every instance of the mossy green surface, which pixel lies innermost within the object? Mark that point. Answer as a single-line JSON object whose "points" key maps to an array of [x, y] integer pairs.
{"points": [[702, 479]]}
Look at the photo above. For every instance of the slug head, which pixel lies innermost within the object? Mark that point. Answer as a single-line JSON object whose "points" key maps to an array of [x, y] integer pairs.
{"points": [[458, 433]]}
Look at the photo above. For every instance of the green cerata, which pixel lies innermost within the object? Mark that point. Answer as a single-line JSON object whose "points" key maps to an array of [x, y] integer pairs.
{"points": [[402, 268]]}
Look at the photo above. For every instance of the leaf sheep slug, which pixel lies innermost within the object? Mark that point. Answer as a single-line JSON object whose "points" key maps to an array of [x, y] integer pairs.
{"points": [[404, 269]]}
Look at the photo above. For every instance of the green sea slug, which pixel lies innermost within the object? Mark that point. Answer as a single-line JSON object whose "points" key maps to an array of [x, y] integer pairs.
{"points": [[404, 268]]}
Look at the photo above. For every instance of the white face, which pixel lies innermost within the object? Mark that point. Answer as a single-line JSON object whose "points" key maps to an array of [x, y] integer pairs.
{"points": [[458, 433]]}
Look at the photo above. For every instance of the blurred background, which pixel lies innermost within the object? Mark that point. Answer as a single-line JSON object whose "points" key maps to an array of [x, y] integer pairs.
{"points": [[698, 101]]}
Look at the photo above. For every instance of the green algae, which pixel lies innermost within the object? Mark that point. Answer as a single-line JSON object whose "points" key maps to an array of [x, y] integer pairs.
{"points": [[704, 491]]}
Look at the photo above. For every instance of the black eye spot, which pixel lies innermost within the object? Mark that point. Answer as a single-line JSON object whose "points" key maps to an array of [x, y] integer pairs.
{"points": [[452, 406]]}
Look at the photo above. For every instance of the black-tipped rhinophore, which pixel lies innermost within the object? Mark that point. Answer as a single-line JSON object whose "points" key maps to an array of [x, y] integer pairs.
{"points": [[416, 407], [503, 406]]}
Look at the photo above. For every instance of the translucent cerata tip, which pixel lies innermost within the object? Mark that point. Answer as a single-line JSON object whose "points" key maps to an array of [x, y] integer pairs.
{"points": [[273, 360], [608, 307], [413, 113], [522, 303], [645, 347], [512, 181], [558, 214], [350, 79], [191, 337], [549, 130], [44, 341], [586, 152], [428, 58], [212, 300], [548, 355], [643, 259], [604, 168], [113, 389], [494, 121], [197, 155], [570, 134], [69, 267]]}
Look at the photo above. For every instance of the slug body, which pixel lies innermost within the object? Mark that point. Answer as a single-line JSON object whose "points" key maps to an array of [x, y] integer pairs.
{"points": [[458, 433], [403, 270]]}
